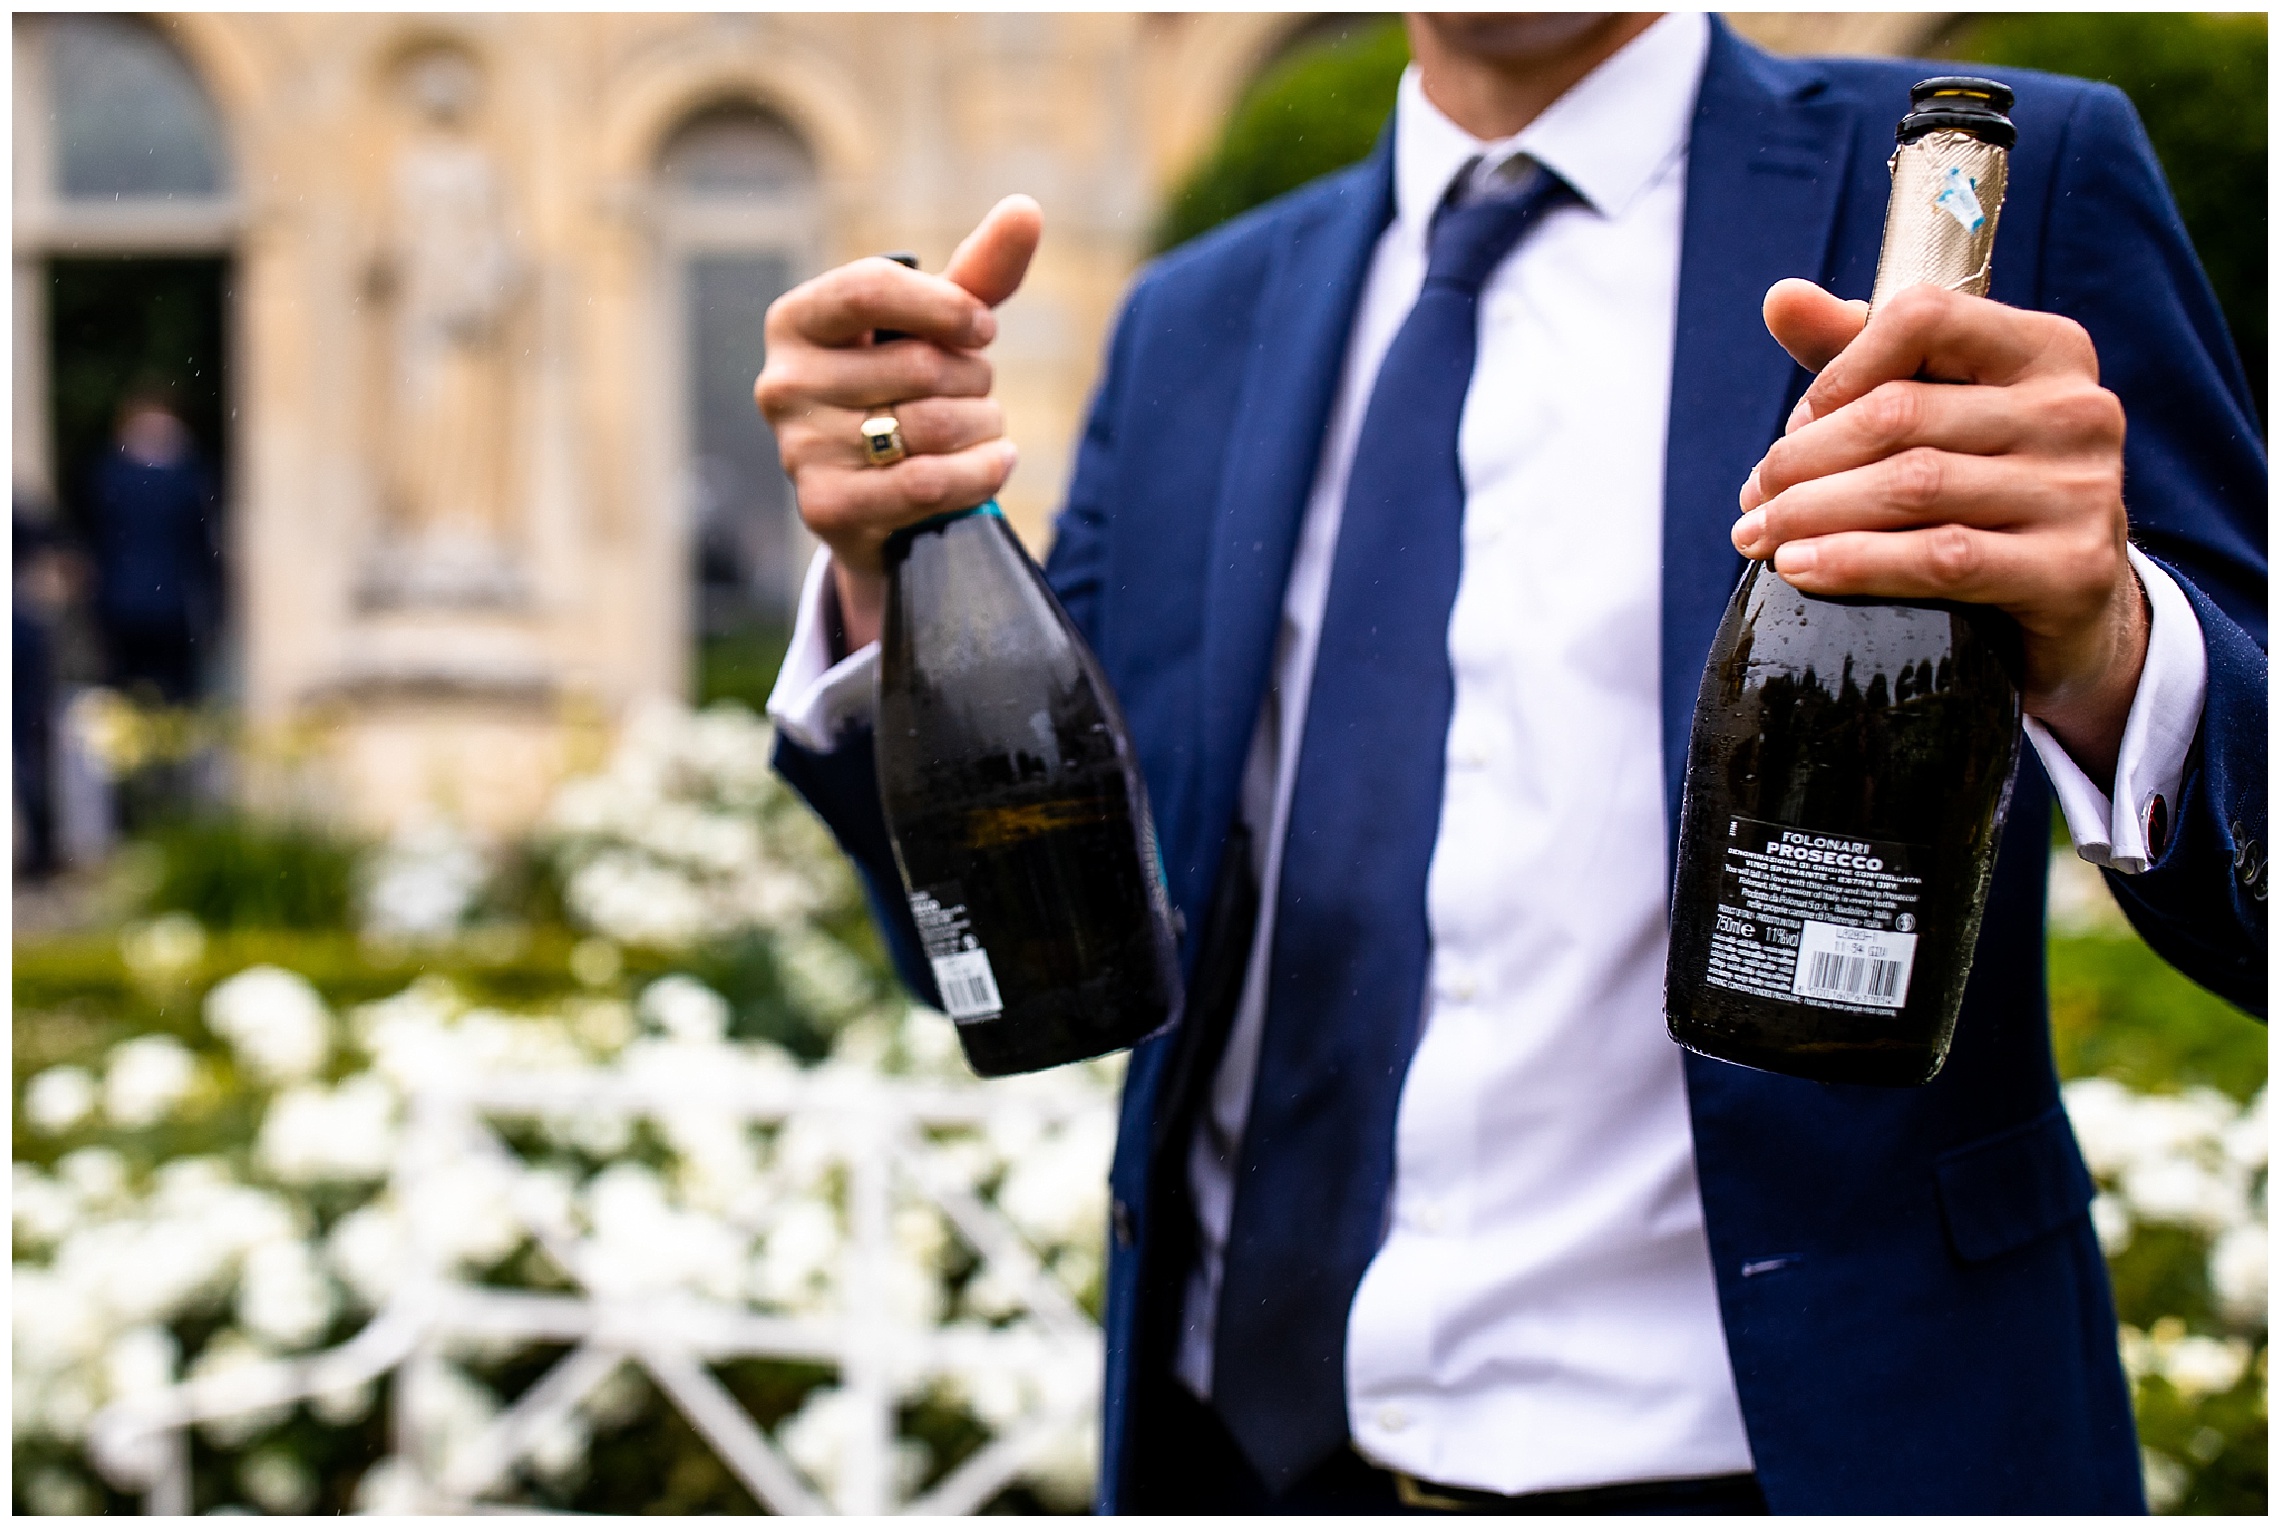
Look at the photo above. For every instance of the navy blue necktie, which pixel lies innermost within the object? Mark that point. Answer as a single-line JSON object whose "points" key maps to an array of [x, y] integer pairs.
{"points": [[1351, 942]]}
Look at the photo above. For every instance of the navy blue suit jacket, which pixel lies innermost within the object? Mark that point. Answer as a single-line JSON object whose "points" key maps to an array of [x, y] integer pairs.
{"points": [[1915, 1305]]}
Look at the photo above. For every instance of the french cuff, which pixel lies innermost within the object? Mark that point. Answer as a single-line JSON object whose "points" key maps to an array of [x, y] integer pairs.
{"points": [[816, 700], [2163, 720]]}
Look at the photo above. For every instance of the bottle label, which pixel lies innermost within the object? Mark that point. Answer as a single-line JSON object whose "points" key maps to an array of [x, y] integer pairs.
{"points": [[1815, 918], [961, 965]]}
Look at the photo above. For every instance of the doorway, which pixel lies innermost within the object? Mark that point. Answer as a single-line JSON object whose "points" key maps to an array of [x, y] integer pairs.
{"points": [[120, 327]]}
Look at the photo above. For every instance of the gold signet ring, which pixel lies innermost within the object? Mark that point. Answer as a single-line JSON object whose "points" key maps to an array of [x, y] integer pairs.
{"points": [[882, 440]]}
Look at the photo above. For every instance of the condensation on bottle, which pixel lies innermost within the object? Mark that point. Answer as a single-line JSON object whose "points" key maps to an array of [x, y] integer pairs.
{"points": [[1851, 760]]}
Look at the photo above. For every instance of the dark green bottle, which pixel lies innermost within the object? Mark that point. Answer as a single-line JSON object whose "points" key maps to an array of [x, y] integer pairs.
{"points": [[1015, 801], [1852, 760]]}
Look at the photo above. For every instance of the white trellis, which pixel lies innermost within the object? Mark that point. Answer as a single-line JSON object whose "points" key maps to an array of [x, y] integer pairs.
{"points": [[877, 1127]]}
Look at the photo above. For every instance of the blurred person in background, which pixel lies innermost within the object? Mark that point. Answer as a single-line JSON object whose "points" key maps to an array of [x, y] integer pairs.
{"points": [[42, 568], [152, 524], [1434, 1216]]}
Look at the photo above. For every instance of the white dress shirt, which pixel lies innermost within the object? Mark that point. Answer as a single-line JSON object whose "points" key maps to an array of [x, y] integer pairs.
{"points": [[1542, 1314]]}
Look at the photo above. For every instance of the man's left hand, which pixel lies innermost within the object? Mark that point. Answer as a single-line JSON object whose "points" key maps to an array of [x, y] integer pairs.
{"points": [[1957, 449]]}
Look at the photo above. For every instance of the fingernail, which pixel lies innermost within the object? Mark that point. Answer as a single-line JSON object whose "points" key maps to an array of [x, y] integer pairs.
{"points": [[1012, 456], [984, 327], [1799, 417], [1748, 529], [1796, 557], [1753, 490]]}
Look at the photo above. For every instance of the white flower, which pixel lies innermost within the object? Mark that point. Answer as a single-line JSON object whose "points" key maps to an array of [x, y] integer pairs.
{"points": [[2166, 1479], [643, 1243], [43, 1209], [164, 950], [685, 1009], [229, 1355], [817, 1438], [67, 1406], [466, 1208], [283, 1296], [798, 1256], [147, 1076], [636, 901], [59, 1098], [558, 1453], [2198, 1365], [618, 1399], [2079, 901], [274, 1021], [141, 1360], [2180, 1190], [2110, 1218], [596, 962], [1057, 1191], [821, 973], [929, 1044], [2239, 1267], [278, 1482], [368, 1249], [446, 1408], [312, 1134], [97, 1174], [51, 1492], [993, 1294], [1062, 1472], [2248, 1140], [344, 1405], [391, 1488], [423, 883]]}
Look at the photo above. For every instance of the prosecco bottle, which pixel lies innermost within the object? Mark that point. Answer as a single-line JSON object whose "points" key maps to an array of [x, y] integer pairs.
{"points": [[1015, 802], [1851, 759]]}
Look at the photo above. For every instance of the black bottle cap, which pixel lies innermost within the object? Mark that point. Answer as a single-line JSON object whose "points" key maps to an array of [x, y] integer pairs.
{"points": [[905, 258], [1962, 104]]}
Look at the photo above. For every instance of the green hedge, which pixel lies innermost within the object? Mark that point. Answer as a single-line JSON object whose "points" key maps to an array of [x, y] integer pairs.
{"points": [[2198, 81], [1314, 112]]}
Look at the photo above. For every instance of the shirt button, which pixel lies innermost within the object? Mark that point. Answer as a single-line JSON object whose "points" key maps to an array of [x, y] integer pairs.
{"points": [[1430, 1218], [1462, 990], [1392, 1419]]}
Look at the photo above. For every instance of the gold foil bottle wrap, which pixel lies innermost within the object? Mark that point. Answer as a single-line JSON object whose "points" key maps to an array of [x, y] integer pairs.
{"points": [[1947, 192]]}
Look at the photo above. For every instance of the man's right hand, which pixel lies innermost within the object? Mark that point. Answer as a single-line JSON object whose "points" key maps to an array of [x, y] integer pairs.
{"points": [[824, 376]]}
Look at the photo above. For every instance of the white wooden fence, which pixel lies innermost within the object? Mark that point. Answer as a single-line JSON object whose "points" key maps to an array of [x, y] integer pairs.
{"points": [[882, 1131]]}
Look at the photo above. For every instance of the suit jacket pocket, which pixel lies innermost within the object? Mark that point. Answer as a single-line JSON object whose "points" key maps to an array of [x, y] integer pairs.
{"points": [[2002, 1191]]}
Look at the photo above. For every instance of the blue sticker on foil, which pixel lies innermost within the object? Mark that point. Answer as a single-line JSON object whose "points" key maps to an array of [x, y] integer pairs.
{"points": [[1959, 198]]}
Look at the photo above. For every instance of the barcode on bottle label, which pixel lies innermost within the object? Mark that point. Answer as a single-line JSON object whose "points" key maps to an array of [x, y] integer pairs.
{"points": [[969, 987], [1854, 965], [1822, 920]]}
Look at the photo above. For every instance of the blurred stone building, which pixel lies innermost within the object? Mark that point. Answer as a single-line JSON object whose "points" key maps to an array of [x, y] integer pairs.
{"points": [[468, 308]]}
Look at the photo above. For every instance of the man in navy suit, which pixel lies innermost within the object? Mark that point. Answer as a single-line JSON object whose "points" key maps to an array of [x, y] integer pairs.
{"points": [[1435, 1217]]}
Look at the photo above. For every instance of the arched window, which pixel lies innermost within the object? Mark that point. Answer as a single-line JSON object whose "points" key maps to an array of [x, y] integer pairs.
{"points": [[130, 120], [733, 152], [737, 209]]}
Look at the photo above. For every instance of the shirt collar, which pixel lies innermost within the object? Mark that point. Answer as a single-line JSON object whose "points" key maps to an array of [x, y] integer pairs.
{"points": [[1607, 137]]}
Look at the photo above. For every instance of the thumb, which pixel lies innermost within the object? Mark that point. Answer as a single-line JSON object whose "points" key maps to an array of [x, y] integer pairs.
{"points": [[1811, 324], [995, 256]]}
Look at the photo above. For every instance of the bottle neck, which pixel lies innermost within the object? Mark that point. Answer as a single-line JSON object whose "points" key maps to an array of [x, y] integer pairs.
{"points": [[1939, 228]]}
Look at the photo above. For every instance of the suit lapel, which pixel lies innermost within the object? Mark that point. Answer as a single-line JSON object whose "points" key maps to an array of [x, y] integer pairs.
{"points": [[1766, 164], [1297, 358]]}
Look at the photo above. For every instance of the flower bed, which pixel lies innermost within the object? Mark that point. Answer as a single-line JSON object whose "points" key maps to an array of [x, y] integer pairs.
{"points": [[211, 1138]]}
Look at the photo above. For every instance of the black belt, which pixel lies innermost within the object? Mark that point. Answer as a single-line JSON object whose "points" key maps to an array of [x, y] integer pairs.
{"points": [[1703, 1494]]}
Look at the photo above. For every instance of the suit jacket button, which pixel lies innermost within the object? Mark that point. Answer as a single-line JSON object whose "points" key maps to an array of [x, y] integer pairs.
{"points": [[1120, 1220], [2249, 864]]}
